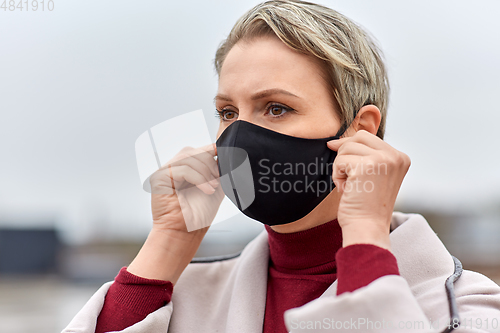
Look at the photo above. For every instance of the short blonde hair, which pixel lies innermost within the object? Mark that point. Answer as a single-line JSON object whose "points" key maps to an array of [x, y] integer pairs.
{"points": [[352, 61]]}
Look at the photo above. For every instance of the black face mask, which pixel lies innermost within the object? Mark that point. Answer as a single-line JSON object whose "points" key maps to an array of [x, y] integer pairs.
{"points": [[272, 177]]}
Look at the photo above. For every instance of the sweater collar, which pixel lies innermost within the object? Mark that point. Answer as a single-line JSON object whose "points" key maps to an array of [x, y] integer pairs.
{"points": [[305, 249]]}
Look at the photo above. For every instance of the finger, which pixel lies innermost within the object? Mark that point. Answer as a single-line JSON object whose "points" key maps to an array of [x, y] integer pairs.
{"points": [[174, 178], [369, 140], [205, 154], [202, 162], [360, 136], [183, 173], [335, 144], [161, 182], [339, 172], [214, 153], [346, 166], [339, 168], [355, 148], [211, 149]]}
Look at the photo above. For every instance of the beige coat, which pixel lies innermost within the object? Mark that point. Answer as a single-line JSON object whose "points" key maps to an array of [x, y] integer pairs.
{"points": [[230, 296]]}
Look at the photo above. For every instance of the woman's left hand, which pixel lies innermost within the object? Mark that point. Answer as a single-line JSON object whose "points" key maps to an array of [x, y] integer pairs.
{"points": [[368, 172]]}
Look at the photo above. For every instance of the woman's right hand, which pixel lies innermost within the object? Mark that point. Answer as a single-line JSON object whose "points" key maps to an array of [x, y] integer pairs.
{"points": [[185, 192], [185, 197]]}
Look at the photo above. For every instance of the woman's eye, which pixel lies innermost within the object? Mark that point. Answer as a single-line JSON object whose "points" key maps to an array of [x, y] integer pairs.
{"points": [[229, 115], [226, 115], [277, 110]]}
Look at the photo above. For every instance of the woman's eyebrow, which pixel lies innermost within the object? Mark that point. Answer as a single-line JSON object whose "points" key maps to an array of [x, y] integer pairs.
{"points": [[259, 95], [269, 92]]}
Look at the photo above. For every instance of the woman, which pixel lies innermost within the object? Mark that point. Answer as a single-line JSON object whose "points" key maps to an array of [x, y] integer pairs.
{"points": [[297, 81]]}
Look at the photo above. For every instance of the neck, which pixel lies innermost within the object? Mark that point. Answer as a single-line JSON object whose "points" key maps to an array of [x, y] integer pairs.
{"points": [[326, 211], [309, 251]]}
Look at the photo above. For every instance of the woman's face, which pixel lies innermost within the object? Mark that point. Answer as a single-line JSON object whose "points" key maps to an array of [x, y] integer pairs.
{"points": [[264, 82]]}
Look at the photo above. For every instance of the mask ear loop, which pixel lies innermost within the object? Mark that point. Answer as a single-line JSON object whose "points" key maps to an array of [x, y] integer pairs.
{"points": [[342, 130], [345, 126]]}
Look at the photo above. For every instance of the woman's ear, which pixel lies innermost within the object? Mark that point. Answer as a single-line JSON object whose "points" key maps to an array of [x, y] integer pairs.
{"points": [[368, 119]]}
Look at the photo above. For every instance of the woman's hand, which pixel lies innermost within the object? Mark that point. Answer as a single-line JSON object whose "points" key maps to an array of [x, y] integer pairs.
{"points": [[185, 197], [368, 172], [185, 192]]}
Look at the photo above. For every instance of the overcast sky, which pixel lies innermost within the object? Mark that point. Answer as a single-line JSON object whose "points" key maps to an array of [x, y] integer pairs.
{"points": [[80, 83]]}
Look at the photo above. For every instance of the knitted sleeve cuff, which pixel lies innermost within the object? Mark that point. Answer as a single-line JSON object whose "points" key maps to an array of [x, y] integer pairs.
{"points": [[130, 299], [360, 264], [139, 294]]}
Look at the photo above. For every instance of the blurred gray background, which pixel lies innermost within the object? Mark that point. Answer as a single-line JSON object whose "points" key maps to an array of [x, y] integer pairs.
{"points": [[80, 83]]}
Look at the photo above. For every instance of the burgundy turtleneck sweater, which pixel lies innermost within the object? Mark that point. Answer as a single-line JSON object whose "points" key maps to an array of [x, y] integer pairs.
{"points": [[302, 265]]}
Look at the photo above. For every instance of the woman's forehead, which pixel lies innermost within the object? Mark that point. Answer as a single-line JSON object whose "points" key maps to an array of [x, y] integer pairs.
{"points": [[267, 63]]}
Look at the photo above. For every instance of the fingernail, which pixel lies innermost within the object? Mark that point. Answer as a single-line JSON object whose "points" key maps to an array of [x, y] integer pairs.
{"points": [[209, 189], [214, 182]]}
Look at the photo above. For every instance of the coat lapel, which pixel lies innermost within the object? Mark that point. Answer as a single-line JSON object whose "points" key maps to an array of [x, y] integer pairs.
{"points": [[423, 261], [248, 298]]}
